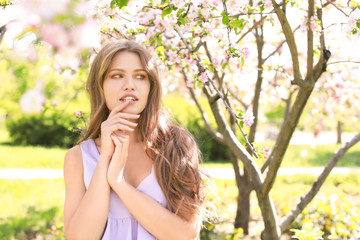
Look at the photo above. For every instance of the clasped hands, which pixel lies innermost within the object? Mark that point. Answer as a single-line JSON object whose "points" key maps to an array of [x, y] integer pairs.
{"points": [[115, 136]]}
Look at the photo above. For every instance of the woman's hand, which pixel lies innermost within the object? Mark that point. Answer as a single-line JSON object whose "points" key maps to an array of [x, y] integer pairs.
{"points": [[116, 121], [117, 164]]}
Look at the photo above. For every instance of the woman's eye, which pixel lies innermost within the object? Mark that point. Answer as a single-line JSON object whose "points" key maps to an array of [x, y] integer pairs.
{"points": [[118, 76], [141, 76]]}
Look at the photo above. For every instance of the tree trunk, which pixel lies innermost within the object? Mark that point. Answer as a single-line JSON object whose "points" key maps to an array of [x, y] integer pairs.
{"points": [[244, 186], [243, 203], [339, 132], [272, 230]]}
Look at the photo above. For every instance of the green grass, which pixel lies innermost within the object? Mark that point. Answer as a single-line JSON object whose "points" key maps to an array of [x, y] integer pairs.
{"points": [[31, 207], [31, 157], [52, 158], [320, 155]]}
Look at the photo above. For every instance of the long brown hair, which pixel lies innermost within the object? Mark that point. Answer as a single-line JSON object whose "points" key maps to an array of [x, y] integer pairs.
{"points": [[172, 148]]}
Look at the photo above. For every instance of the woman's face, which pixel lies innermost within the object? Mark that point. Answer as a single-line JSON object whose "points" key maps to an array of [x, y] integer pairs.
{"points": [[128, 81]]}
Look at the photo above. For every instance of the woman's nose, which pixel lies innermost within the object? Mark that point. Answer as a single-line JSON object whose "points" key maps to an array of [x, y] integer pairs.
{"points": [[129, 84]]}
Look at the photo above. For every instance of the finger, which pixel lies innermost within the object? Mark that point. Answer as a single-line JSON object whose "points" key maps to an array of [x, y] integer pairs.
{"points": [[118, 108], [116, 140], [116, 120], [121, 127], [123, 115]]}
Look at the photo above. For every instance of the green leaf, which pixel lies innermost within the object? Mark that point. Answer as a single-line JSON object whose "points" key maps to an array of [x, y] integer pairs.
{"points": [[237, 23], [166, 11], [225, 19], [119, 3], [242, 62], [181, 21], [262, 8], [160, 49], [179, 13]]}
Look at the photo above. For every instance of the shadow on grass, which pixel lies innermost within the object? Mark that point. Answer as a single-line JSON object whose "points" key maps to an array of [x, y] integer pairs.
{"points": [[37, 222], [350, 159]]}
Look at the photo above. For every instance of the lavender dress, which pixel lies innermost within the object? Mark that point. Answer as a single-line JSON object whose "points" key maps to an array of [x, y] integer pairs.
{"points": [[121, 225]]}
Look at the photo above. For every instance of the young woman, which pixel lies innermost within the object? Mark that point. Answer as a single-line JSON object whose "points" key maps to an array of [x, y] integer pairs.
{"points": [[134, 175]]}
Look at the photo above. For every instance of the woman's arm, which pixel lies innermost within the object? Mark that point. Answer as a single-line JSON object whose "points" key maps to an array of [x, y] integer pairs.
{"points": [[159, 221], [85, 211]]}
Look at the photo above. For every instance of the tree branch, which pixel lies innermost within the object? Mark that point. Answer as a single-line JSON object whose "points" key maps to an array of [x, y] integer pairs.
{"points": [[321, 65], [219, 94], [284, 136], [331, 2], [237, 98], [218, 136], [2, 32], [233, 143], [216, 73], [252, 28], [310, 42], [4, 4], [306, 199], [344, 61], [280, 45], [290, 39], [228, 28]]}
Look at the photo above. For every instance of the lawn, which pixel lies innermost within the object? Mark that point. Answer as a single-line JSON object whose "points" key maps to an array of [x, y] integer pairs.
{"points": [[30, 208], [296, 156]]}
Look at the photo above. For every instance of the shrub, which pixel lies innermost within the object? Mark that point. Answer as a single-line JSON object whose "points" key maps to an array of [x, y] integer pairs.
{"points": [[209, 147], [335, 215], [48, 128], [37, 223], [189, 117]]}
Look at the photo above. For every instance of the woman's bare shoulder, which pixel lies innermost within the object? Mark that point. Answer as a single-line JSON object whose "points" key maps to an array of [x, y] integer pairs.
{"points": [[73, 160]]}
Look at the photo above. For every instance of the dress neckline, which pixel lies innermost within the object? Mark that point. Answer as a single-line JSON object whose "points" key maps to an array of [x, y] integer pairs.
{"points": [[143, 181]]}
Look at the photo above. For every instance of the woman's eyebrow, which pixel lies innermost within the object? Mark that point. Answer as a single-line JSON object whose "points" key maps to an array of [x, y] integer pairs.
{"points": [[122, 70]]}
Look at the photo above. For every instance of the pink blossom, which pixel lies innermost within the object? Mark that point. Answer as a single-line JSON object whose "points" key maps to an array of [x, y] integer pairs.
{"points": [[312, 24], [54, 103], [203, 77], [216, 62], [78, 114], [189, 60], [268, 4], [189, 84], [180, 4], [158, 20], [215, 3], [144, 19], [246, 52], [56, 35], [205, 13], [208, 27], [248, 118], [86, 34], [193, 14], [352, 22], [267, 152], [45, 9]]}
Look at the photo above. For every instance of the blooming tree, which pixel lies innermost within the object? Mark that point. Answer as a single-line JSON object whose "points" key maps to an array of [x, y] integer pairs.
{"points": [[239, 54]]}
